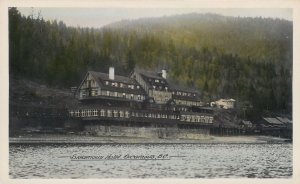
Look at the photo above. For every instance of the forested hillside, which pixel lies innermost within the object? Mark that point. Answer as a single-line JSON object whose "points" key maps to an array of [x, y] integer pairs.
{"points": [[249, 59]]}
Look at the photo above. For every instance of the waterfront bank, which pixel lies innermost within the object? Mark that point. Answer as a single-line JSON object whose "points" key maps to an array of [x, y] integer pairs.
{"points": [[75, 139]]}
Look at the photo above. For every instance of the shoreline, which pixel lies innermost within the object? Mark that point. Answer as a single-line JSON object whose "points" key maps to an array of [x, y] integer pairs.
{"points": [[75, 139]]}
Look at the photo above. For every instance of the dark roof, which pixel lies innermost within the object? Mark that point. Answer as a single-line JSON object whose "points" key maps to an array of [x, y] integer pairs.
{"points": [[179, 87], [149, 74], [273, 121], [102, 77], [150, 78], [118, 78], [284, 120], [188, 98]]}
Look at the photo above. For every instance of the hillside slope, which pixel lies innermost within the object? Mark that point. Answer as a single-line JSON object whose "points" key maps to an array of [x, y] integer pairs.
{"points": [[249, 59]]}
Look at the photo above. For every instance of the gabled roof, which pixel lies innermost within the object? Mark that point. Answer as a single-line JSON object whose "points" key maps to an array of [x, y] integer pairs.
{"points": [[179, 87], [118, 78], [284, 120], [151, 77], [102, 77], [188, 98], [149, 74], [273, 121]]}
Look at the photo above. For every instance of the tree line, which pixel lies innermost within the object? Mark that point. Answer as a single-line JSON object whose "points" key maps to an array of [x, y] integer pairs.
{"points": [[248, 59]]}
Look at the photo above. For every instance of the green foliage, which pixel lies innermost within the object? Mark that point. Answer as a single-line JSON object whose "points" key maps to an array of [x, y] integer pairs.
{"points": [[249, 59]]}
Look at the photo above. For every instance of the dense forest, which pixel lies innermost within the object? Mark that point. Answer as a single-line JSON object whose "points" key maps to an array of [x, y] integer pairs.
{"points": [[248, 59]]}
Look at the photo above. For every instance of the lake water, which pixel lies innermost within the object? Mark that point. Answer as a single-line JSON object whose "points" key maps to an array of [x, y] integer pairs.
{"points": [[150, 161]]}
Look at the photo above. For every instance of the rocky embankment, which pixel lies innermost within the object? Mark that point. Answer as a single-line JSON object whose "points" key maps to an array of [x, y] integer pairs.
{"points": [[30, 101]]}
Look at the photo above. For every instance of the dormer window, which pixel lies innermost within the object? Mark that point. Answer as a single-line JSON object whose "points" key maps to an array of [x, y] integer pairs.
{"points": [[156, 80], [106, 82]]}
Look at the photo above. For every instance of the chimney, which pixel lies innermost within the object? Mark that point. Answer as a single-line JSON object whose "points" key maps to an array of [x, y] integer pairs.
{"points": [[164, 74], [111, 73]]}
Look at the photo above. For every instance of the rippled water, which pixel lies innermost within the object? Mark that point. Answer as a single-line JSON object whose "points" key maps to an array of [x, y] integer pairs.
{"points": [[179, 161]]}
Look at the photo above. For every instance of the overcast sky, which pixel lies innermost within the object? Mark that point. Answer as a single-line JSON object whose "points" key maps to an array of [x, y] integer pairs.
{"points": [[98, 17]]}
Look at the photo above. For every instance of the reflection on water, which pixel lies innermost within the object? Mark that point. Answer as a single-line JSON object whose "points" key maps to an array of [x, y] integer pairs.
{"points": [[195, 161]]}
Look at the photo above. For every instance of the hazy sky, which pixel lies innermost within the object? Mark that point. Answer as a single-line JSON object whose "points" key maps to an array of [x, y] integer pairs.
{"points": [[97, 17]]}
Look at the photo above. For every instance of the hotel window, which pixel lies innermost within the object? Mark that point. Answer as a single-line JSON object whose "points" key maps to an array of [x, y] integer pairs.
{"points": [[109, 113], [202, 119], [71, 113], [188, 118], [95, 113], [139, 97], [131, 96], [127, 114], [115, 113], [124, 95], [206, 119], [121, 85], [116, 94], [121, 114], [156, 80], [138, 87], [106, 82], [102, 112], [77, 113], [107, 93], [182, 118]]}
